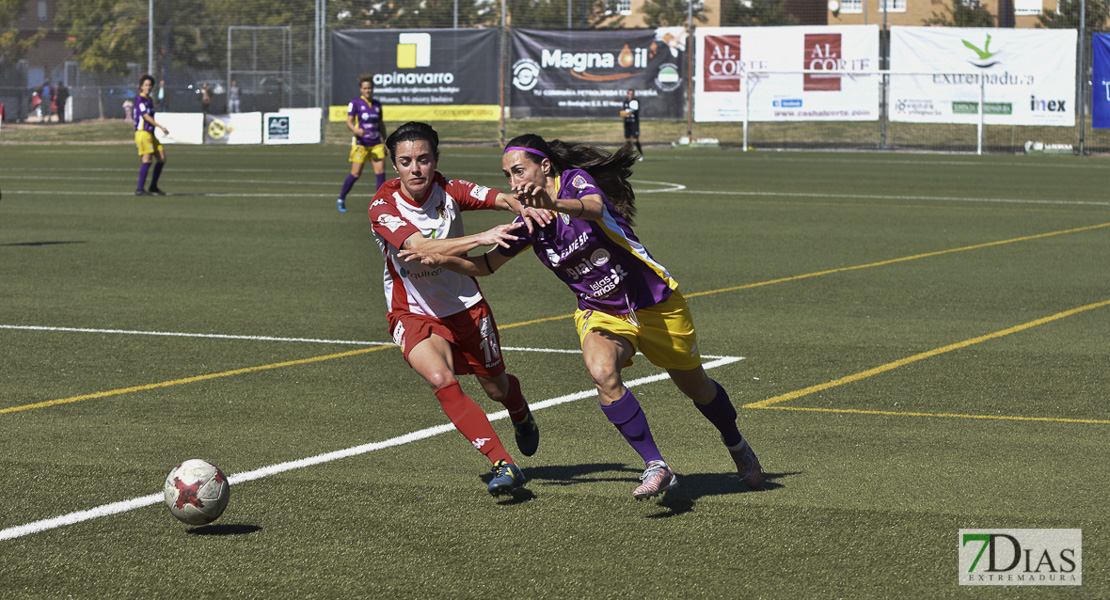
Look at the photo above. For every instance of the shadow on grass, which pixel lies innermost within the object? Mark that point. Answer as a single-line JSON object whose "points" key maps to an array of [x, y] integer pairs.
{"points": [[228, 529], [680, 500], [683, 498], [40, 243]]}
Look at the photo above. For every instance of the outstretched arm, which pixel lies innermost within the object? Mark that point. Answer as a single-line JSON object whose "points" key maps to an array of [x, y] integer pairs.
{"points": [[474, 266], [496, 236], [587, 207], [533, 217]]}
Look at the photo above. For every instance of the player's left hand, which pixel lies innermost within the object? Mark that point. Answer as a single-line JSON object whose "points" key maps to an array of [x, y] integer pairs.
{"points": [[500, 235]]}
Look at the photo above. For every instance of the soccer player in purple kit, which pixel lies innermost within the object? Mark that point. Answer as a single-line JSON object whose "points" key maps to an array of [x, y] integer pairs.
{"points": [[364, 119], [627, 301], [149, 147]]}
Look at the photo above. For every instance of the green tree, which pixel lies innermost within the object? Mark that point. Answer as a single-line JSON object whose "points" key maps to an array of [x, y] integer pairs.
{"points": [[422, 14], [962, 14], [14, 44], [755, 13], [673, 13], [552, 14], [1067, 17], [104, 34]]}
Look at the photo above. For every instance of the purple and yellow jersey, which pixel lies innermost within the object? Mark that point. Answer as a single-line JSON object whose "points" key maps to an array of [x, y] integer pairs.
{"points": [[368, 116], [143, 106], [601, 261]]}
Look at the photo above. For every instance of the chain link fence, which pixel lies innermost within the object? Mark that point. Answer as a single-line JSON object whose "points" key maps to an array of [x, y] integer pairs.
{"points": [[276, 55]]}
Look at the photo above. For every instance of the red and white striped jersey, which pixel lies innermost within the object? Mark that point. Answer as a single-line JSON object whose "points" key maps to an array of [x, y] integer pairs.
{"points": [[411, 286]]}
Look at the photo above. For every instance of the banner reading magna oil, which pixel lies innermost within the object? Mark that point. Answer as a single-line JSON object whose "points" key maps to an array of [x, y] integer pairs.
{"points": [[575, 74]]}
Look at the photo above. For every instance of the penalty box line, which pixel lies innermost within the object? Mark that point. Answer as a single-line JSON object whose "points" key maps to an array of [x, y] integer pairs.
{"points": [[144, 501]]}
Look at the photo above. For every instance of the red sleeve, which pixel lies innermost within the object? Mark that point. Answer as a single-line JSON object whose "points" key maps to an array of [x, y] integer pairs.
{"points": [[472, 196], [387, 220]]}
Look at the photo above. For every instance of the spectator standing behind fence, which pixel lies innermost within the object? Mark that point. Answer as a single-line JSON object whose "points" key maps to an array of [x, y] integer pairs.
{"points": [[364, 119], [47, 96], [631, 114], [233, 98], [162, 95], [205, 98], [128, 107], [61, 95]]}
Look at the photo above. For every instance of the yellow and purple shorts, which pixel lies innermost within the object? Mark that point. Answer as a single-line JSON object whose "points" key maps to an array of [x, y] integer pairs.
{"points": [[363, 154], [663, 333], [147, 143]]}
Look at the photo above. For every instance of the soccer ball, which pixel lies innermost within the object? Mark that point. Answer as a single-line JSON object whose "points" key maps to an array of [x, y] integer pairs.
{"points": [[197, 492]]}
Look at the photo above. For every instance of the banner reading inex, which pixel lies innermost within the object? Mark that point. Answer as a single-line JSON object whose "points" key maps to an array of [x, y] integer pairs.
{"points": [[574, 74], [725, 54], [1028, 75], [433, 75]]}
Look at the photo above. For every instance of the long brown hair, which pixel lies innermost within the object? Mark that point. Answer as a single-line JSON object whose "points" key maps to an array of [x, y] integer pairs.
{"points": [[610, 170]]}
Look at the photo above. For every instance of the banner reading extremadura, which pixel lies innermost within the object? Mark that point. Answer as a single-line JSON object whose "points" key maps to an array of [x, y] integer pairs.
{"points": [[1028, 75], [576, 74]]}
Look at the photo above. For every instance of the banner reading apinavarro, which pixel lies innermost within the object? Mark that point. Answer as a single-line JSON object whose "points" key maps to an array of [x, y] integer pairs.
{"points": [[1028, 75], [725, 54], [431, 75]]}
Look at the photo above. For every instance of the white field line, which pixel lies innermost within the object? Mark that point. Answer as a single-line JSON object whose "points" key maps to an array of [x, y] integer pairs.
{"points": [[882, 197], [671, 187], [257, 338], [143, 501]]}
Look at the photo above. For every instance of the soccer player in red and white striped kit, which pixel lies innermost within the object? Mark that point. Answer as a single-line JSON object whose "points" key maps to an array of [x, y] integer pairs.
{"points": [[439, 318]]}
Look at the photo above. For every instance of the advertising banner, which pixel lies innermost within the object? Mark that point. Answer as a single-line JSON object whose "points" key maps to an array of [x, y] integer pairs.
{"points": [[576, 74], [430, 75], [1028, 75], [292, 126], [1100, 82], [237, 128], [725, 54], [185, 128]]}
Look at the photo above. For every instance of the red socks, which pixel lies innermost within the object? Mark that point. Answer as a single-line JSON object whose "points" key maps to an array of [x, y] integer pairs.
{"points": [[471, 421]]}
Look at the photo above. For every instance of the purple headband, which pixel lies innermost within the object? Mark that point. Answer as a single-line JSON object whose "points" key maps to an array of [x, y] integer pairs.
{"points": [[532, 150]]}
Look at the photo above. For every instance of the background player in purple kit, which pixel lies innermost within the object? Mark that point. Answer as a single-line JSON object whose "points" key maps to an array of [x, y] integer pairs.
{"points": [[627, 301], [142, 113], [364, 119]]}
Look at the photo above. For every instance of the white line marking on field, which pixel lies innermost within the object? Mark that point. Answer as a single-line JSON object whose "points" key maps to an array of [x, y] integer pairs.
{"points": [[144, 501], [259, 338], [878, 197]]}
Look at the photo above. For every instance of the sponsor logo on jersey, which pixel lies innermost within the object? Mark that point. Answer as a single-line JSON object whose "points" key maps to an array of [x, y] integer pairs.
{"points": [[391, 222]]}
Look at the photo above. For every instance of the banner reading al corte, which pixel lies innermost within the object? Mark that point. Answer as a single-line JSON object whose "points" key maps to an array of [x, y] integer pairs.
{"points": [[725, 54], [574, 74], [433, 75], [1028, 75]]}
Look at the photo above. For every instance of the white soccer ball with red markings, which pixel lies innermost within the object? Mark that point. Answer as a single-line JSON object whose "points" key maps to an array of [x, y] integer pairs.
{"points": [[197, 492]]}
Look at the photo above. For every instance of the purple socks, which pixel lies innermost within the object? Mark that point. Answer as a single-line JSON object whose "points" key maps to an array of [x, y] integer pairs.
{"points": [[381, 178], [347, 185], [629, 419], [722, 414], [142, 176]]}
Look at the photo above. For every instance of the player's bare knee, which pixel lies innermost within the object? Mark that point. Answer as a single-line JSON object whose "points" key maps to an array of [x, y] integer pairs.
{"points": [[439, 378]]}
